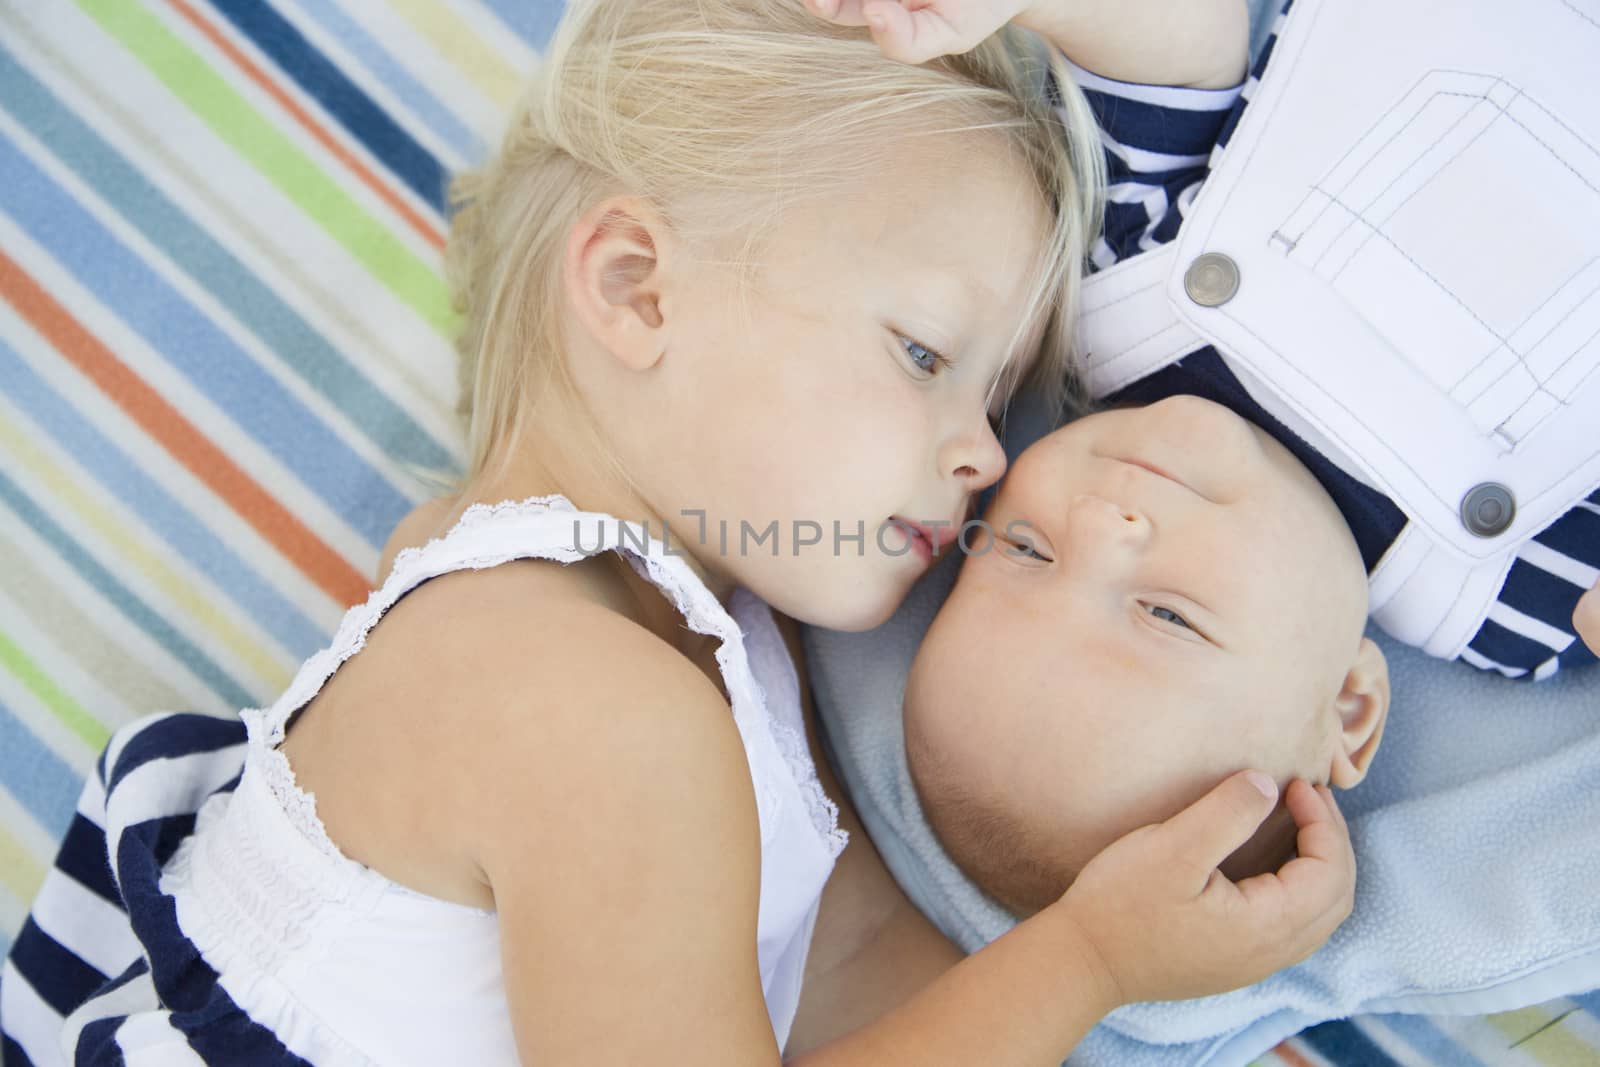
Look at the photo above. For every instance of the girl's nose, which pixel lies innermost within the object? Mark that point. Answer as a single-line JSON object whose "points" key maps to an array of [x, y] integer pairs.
{"points": [[974, 457]]}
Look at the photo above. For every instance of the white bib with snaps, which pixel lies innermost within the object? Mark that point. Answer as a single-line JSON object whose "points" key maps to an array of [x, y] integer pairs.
{"points": [[1399, 255]]}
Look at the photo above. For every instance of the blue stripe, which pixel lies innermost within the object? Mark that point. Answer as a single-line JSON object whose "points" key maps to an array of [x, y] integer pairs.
{"points": [[1575, 534], [1344, 1043], [416, 96], [60, 977], [97, 1044], [186, 536], [1576, 655], [340, 97], [160, 838], [1507, 648], [82, 857], [1153, 127], [136, 610], [194, 344], [1535, 591], [252, 302], [11, 1053], [40, 780], [1174, 181], [1167, 229], [1436, 1046], [174, 737], [532, 20], [187, 986]]}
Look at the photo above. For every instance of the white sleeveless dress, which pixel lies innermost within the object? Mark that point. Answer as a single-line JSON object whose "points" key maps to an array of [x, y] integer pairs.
{"points": [[344, 965]]}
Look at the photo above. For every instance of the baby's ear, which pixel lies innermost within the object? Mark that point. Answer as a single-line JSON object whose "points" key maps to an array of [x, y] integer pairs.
{"points": [[1363, 707]]}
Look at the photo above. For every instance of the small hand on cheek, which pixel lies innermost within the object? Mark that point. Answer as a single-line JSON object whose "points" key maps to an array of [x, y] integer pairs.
{"points": [[915, 31]]}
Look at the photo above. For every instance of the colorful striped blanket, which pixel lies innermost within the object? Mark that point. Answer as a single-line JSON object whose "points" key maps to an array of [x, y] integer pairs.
{"points": [[225, 374]]}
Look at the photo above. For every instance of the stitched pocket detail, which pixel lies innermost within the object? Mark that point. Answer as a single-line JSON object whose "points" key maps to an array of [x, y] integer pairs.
{"points": [[1464, 228]]}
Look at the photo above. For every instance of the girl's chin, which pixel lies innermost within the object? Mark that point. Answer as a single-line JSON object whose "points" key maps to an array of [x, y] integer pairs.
{"points": [[854, 602]]}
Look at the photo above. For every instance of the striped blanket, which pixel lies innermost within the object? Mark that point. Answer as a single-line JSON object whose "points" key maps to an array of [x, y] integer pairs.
{"points": [[225, 373]]}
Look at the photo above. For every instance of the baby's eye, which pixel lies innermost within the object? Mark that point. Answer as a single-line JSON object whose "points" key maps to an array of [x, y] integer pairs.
{"points": [[923, 358], [1012, 545], [1168, 615]]}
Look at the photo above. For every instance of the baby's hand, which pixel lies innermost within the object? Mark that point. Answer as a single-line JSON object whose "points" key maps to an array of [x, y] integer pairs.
{"points": [[1586, 619], [915, 31], [1167, 925]]}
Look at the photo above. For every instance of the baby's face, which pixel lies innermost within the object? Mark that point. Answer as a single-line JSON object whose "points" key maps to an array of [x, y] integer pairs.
{"points": [[1187, 605]]}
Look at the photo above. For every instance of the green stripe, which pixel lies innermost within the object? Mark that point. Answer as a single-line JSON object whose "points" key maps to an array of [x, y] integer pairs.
{"points": [[68, 711], [21, 871], [232, 118], [135, 687], [1531, 1033]]}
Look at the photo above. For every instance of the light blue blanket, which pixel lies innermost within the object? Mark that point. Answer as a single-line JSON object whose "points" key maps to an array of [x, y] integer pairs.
{"points": [[1477, 835]]}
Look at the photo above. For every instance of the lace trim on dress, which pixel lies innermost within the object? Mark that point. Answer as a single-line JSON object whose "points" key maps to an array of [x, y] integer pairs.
{"points": [[300, 805], [823, 811], [691, 600]]}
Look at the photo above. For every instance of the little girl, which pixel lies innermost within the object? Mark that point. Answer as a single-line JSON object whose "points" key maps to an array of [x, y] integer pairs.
{"points": [[741, 300]]}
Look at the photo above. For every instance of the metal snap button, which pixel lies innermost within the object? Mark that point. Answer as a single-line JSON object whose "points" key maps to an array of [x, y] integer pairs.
{"points": [[1488, 509], [1211, 279]]}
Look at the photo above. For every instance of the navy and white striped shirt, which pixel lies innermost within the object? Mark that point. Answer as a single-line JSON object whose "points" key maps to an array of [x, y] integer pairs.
{"points": [[1160, 144]]}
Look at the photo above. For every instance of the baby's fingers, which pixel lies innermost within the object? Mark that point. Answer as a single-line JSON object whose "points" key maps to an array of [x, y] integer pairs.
{"points": [[1205, 833], [1312, 893], [913, 34], [841, 12], [1323, 834]]}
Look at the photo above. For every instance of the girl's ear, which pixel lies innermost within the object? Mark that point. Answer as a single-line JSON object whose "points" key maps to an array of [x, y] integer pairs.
{"points": [[1363, 708], [613, 274]]}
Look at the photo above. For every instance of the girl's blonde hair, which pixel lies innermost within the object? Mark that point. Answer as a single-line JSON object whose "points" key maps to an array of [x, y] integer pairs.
{"points": [[720, 113]]}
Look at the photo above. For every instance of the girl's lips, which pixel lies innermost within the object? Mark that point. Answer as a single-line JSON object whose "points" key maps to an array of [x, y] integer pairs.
{"points": [[927, 541]]}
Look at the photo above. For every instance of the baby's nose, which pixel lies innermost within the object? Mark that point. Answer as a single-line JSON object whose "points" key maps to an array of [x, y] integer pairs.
{"points": [[1098, 524]]}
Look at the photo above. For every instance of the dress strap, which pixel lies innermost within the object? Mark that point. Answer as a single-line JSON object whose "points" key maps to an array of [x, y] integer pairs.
{"points": [[543, 527], [770, 660]]}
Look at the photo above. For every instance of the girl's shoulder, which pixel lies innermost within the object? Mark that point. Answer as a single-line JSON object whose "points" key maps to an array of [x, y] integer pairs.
{"points": [[429, 519], [606, 801], [484, 697]]}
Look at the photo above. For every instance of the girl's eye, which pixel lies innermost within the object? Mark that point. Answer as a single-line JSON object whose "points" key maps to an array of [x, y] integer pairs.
{"points": [[923, 358], [1168, 615]]}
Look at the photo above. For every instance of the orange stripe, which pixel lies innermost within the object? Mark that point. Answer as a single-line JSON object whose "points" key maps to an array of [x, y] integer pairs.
{"points": [[315, 558], [1286, 1052], [260, 77]]}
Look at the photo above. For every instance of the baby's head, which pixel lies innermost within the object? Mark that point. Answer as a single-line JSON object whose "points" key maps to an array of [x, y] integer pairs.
{"points": [[1178, 598], [773, 277]]}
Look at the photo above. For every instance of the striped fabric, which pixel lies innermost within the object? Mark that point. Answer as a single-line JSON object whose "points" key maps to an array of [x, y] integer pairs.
{"points": [[225, 374]]}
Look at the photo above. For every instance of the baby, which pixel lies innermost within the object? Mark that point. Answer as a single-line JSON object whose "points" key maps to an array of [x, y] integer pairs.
{"points": [[1156, 596], [1162, 594]]}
